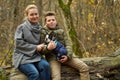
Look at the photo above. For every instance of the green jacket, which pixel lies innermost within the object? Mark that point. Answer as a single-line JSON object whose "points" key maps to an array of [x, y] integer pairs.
{"points": [[61, 37]]}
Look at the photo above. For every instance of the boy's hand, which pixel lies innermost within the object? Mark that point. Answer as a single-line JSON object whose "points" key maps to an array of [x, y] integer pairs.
{"points": [[64, 59], [51, 45]]}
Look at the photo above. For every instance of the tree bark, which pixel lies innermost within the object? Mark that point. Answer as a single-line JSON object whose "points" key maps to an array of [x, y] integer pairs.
{"points": [[101, 68], [70, 26]]}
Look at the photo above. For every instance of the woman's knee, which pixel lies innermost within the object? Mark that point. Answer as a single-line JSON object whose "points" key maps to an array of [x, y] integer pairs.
{"points": [[44, 63], [34, 74], [30, 70]]}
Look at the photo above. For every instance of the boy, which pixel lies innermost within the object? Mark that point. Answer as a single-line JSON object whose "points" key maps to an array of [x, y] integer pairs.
{"points": [[51, 25]]}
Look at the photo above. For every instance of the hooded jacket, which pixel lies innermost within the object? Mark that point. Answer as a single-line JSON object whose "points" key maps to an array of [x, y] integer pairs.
{"points": [[61, 36], [27, 37]]}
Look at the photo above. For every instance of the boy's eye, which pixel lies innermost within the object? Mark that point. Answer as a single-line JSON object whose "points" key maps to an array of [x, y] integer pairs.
{"points": [[49, 20], [53, 19]]}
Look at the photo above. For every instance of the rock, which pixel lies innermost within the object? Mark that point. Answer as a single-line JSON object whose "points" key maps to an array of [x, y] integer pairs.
{"points": [[17, 75]]}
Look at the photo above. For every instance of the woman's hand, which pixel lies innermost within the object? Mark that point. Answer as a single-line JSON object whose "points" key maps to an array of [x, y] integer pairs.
{"points": [[40, 47]]}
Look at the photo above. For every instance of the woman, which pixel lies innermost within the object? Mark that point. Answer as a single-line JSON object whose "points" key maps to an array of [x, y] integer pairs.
{"points": [[27, 53]]}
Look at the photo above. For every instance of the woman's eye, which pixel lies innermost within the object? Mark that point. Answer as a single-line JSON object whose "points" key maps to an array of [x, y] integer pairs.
{"points": [[31, 14]]}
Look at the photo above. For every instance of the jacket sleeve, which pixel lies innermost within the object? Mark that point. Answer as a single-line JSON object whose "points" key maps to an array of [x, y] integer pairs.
{"points": [[45, 50], [68, 45], [21, 45], [42, 40]]}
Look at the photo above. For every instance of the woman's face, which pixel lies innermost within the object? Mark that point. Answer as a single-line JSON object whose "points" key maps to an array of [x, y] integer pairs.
{"points": [[33, 15], [51, 21]]}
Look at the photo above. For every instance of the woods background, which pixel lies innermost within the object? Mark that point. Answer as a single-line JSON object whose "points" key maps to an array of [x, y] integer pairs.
{"points": [[93, 25]]}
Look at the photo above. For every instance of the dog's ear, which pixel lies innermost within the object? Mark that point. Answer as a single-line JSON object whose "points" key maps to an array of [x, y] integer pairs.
{"points": [[47, 40]]}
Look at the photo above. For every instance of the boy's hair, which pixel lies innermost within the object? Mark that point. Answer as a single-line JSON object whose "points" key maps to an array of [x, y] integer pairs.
{"points": [[49, 13]]}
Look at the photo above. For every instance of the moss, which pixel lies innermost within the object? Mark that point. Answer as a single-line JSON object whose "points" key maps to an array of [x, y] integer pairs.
{"points": [[3, 75], [116, 61], [72, 32], [76, 46]]}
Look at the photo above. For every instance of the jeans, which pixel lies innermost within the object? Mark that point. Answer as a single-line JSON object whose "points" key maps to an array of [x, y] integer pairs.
{"points": [[36, 71]]}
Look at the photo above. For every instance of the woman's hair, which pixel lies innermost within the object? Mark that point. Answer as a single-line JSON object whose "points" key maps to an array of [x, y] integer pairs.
{"points": [[31, 6], [49, 13]]}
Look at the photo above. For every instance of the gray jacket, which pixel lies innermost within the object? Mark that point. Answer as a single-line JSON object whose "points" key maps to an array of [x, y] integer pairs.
{"points": [[27, 37]]}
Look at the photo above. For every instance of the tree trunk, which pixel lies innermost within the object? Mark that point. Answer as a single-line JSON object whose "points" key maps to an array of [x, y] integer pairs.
{"points": [[101, 68], [70, 26]]}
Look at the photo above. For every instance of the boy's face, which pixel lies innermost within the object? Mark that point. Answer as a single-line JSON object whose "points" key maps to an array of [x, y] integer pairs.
{"points": [[51, 21]]}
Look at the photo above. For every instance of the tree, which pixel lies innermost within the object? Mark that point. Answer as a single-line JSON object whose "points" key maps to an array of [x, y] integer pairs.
{"points": [[70, 26]]}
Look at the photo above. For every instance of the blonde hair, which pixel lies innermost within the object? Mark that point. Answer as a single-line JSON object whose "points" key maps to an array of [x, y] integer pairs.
{"points": [[31, 6]]}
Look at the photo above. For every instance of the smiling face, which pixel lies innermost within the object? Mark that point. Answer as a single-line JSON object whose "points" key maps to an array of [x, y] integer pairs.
{"points": [[51, 21], [33, 15]]}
